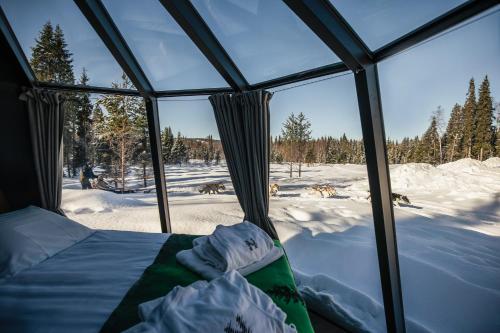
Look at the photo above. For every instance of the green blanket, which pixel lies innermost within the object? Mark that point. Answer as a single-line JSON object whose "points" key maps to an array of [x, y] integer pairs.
{"points": [[165, 273]]}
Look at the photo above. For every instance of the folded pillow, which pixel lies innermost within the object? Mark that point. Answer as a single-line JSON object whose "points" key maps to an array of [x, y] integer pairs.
{"points": [[30, 235]]}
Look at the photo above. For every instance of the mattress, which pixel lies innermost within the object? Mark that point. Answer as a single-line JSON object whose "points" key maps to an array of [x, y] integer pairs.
{"points": [[77, 289]]}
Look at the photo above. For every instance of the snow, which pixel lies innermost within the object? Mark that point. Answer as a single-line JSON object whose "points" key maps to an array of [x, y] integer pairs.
{"points": [[448, 237]]}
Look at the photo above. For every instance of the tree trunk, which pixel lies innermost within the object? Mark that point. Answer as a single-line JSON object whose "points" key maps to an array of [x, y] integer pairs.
{"points": [[452, 157], [440, 151], [291, 169], [300, 169], [481, 154], [122, 163], [144, 174]]}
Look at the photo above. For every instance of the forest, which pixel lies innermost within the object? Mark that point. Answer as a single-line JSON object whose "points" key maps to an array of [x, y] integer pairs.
{"points": [[111, 132]]}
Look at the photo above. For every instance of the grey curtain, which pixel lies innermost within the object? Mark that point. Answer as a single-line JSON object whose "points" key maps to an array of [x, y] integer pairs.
{"points": [[46, 122], [243, 123]]}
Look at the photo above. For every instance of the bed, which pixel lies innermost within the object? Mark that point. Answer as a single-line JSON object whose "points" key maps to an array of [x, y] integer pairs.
{"points": [[95, 283]]}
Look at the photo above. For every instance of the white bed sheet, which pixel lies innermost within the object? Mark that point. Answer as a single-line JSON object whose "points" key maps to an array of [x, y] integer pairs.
{"points": [[77, 289]]}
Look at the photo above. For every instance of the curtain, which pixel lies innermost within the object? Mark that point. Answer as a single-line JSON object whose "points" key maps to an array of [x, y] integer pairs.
{"points": [[243, 123], [46, 123]]}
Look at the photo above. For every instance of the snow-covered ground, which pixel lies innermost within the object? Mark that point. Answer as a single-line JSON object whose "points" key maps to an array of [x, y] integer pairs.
{"points": [[448, 237]]}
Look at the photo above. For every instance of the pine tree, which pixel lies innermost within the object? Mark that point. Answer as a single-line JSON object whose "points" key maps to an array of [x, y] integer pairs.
{"points": [[82, 125], [453, 136], [469, 116], [484, 130], [63, 61], [179, 151], [428, 149], [217, 157], [121, 132], [296, 133], [42, 58], [310, 155], [101, 154], [205, 152], [52, 62], [211, 150], [167, 140], [142, 151]]}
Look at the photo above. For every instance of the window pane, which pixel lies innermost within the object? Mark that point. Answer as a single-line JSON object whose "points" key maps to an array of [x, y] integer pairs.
{"points": [[328, 236], [108, 174], [200, 192], [169, 58], [448, 231], [379, 22], [264, 37], [38, 26]]}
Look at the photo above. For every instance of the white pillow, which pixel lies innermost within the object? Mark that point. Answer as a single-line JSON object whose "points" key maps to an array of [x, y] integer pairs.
{"points": [[31, 235]]}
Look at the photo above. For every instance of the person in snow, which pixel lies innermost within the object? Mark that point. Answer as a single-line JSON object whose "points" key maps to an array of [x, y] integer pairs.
{"points": [[86, 174]]}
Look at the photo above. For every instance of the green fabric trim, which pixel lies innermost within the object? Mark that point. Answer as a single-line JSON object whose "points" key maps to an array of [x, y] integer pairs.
{"points": [[165, 273]]}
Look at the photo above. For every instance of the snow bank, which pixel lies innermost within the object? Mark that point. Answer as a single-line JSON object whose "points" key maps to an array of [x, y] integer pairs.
{"points": [[348, 307], [99, 201], [492, 162], [465, 165]]}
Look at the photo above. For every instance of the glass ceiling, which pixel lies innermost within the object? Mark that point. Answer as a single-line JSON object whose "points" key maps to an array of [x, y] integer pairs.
{"points": [[379, 22], [169, 58], [27, 17], [265, 38]]}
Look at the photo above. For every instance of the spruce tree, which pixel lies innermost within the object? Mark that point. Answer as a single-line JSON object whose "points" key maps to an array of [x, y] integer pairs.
{"points": [[217, 157], [142, 151], [469, 117], [52, 62], [42, 57], [179, 151], [63, 60], [454, 134], [484, 130], [101, 154], [428, 149], [310, 157], [167, 140], [83, 125]]}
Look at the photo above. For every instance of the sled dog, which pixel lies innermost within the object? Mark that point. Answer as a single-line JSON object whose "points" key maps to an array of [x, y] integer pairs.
{"points": [[273, 189], [323, 189], [210, 188], [397, 199]]}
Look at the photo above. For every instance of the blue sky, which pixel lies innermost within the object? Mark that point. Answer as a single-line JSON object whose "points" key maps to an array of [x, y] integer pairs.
{"points": [[413, 83]]}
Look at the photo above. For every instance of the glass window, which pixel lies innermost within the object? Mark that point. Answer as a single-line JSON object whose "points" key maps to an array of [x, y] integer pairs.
{"points": [[321, 208], [438, 101], [167, 55], [60, 43], [200, 191], [264, 37], [379, 22], [108, 174]]}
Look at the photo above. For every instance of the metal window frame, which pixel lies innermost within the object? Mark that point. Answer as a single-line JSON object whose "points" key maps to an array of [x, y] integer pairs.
{"points": [[102, 23], [326, 22], [14, 45], [185, 14]]}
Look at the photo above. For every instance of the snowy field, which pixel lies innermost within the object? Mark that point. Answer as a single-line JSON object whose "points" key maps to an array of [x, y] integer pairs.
{"points": [[448, 237]]}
